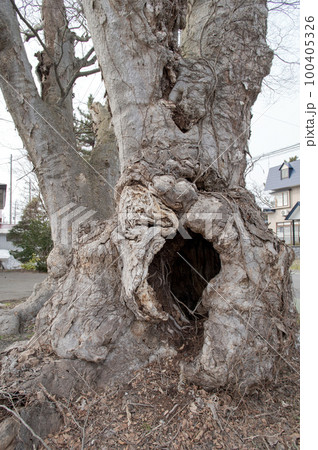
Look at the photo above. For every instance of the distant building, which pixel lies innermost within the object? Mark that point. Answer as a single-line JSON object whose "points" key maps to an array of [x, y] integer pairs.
{"points": [[283, 182], [3, 191], [7, 261]]}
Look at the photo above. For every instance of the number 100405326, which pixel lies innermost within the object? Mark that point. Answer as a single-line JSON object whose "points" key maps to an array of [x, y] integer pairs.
{"points": [[309, 50]]}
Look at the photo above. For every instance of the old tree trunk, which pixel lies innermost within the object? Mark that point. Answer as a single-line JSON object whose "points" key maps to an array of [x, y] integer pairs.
{"points": [[71, 186], [186, 264]]}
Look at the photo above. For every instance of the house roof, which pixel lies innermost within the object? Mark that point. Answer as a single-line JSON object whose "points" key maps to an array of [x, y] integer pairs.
{"points": [[292, 211], [274, 180], [285, 163]]}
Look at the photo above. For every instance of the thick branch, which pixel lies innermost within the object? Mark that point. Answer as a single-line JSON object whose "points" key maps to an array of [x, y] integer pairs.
{"points": [[84, 62], [15, 69], [77, 75]]}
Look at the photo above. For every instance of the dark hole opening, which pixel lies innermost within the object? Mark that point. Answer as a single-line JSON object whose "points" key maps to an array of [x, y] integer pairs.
{"points": [[180, 272]]}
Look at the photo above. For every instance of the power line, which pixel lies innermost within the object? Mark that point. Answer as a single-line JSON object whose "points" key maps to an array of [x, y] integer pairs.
{"points": [[14, 160], [279, 151], [280, 120]]}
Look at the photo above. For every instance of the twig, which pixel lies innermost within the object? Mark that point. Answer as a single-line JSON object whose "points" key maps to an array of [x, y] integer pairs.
{"points": [[76, 75], [172, 439], [172, 410], [128, 414], [53, 399], [83, 379], [212, 405], [17, 416], [142, 404], [181, 381], [84, 428], [260, 415], [34, 31], [154, 429], [241, 400], [266, 445], [263, 436], [162, 423]]}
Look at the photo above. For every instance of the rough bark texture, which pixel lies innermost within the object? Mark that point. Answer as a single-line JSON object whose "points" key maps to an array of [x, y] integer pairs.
{"points": [[181, 119], [186, 265], [72, 188]]}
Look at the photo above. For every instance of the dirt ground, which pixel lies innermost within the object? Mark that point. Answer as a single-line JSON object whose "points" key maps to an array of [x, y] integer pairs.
{"points": [[157, 409]]}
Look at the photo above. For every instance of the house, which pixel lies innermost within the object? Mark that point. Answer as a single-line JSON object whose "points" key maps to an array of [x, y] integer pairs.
{"points": [[283, 182], [3, 191], [7, 261]]}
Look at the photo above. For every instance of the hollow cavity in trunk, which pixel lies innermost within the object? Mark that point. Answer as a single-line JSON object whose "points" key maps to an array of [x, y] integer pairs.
{"points": [[180, 272]]}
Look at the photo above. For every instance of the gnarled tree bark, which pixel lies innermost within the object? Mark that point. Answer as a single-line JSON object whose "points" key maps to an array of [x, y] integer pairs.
{"points": [[186, 265], [71, 186]]}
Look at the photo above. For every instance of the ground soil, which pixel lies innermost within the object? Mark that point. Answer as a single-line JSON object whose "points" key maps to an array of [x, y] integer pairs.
{"points": [[156, 409]]}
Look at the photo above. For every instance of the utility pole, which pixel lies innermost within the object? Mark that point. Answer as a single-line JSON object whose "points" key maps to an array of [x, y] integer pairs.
{"points": [[15, 213], [10, 189]]}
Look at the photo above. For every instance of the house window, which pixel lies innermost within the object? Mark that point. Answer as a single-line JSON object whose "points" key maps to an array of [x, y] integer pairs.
{"points": [[285, 173], [282, 199], [284, 231]]}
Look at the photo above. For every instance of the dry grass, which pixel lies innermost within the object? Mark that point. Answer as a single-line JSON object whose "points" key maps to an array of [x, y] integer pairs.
{"points": [[295, 265]]}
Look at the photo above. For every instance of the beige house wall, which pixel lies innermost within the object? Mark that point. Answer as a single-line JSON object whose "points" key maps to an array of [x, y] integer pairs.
{"points": [[273, 218]]}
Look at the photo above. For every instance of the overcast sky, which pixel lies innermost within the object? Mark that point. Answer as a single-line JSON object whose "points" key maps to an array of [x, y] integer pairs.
{"points": [[275, 121]]}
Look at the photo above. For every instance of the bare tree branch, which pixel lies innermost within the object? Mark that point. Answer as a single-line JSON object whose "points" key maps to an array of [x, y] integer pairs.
{"points": [[283, 4], [73, 79], [30, 35], [84, 62], [33, 29], [286, 62], [84, 38], [17, 416]]}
